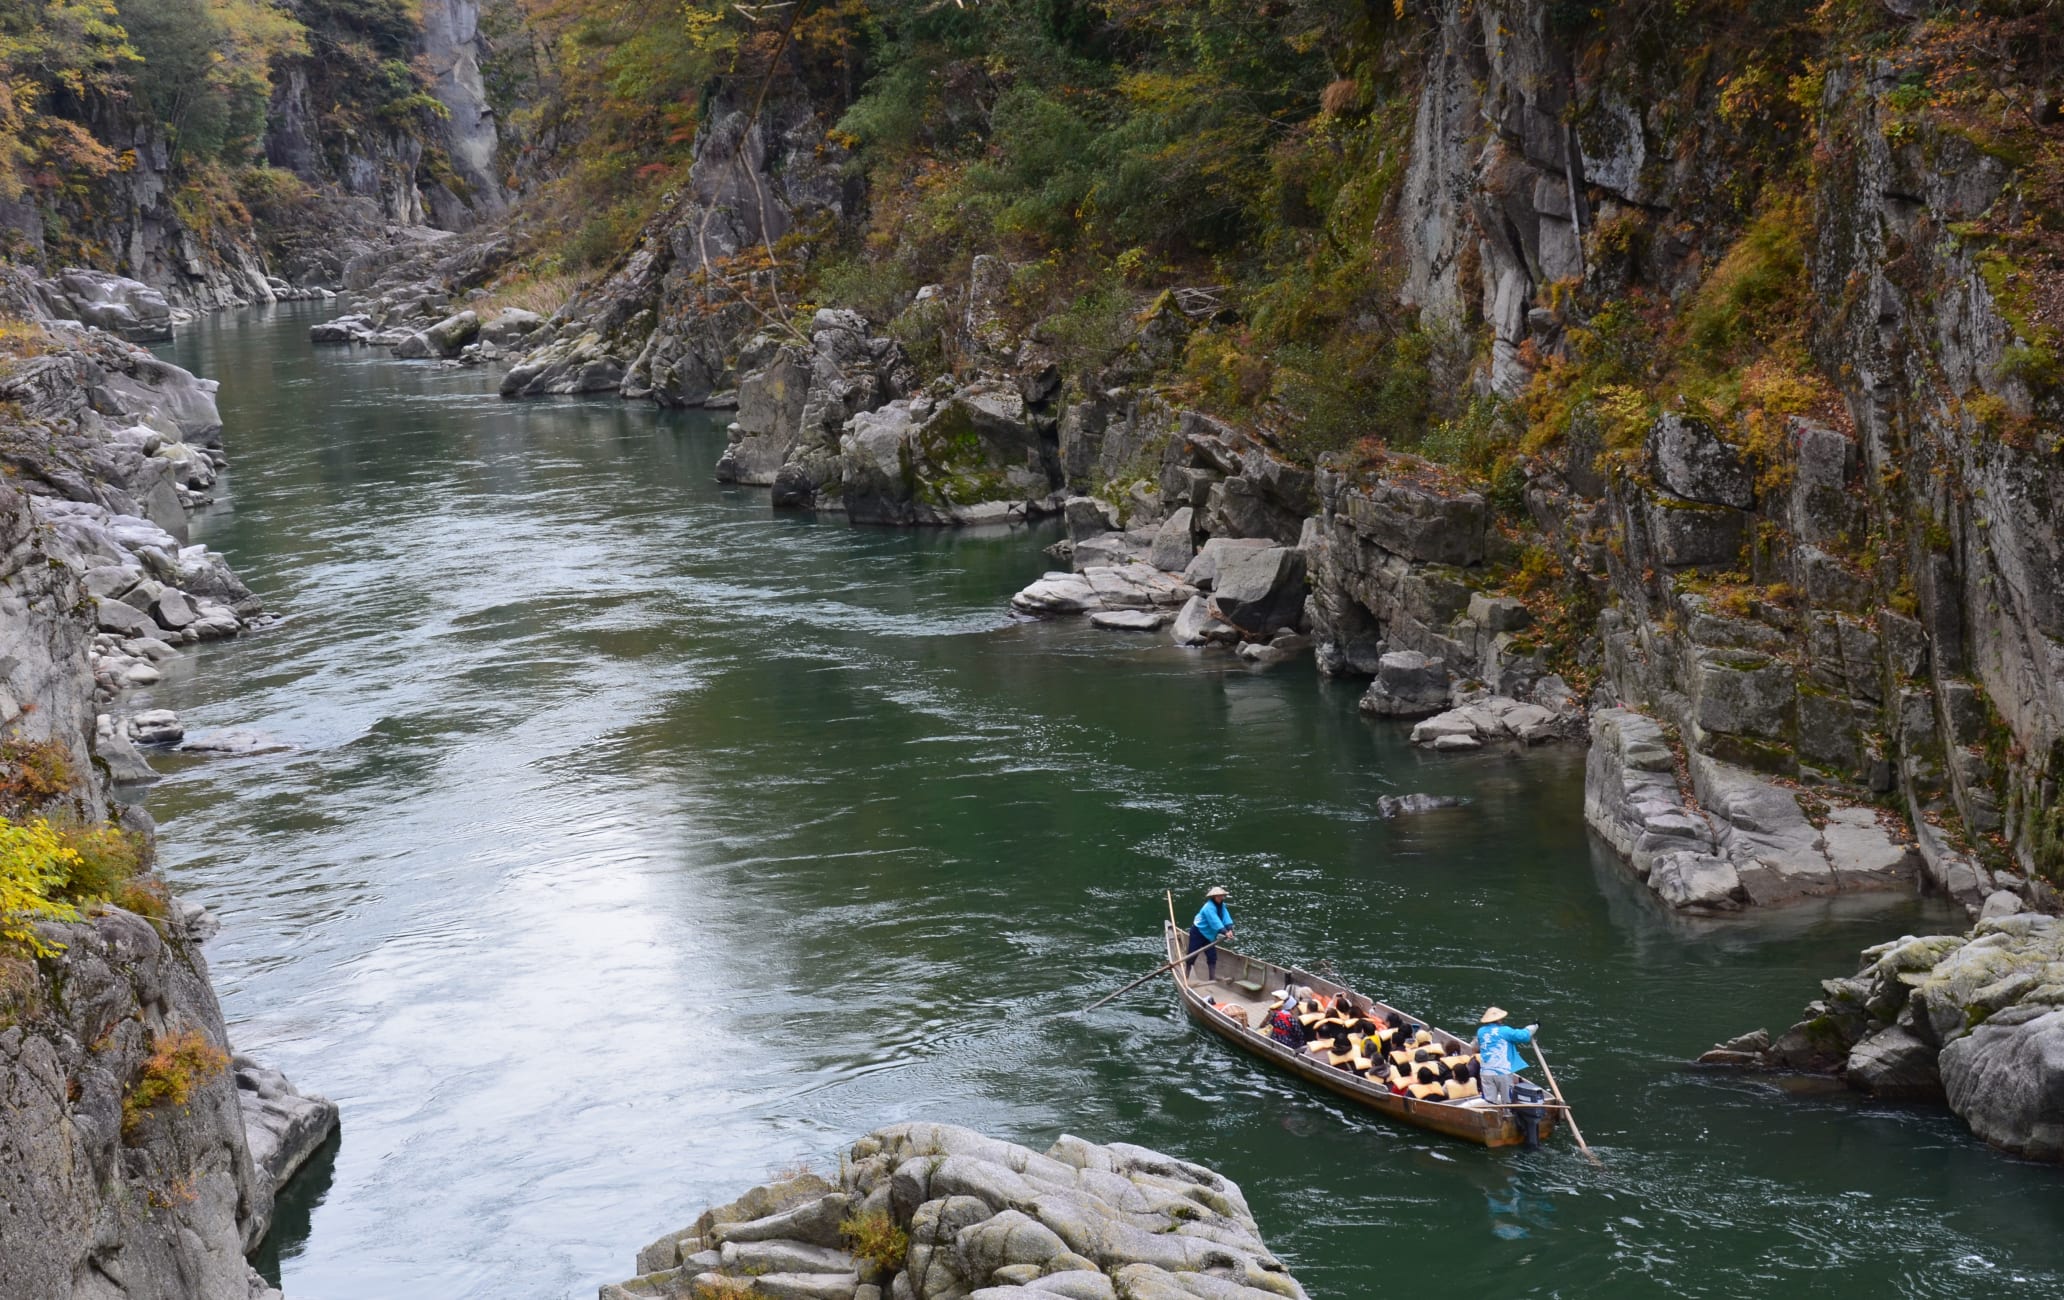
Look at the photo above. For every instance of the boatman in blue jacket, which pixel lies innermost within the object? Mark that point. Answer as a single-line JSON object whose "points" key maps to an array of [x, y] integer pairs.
{"points": [[1214, 922], [1497, 1045]]}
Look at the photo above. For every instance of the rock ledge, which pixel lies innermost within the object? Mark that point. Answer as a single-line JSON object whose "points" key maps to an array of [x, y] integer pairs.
{"points": [[983, 1219]]}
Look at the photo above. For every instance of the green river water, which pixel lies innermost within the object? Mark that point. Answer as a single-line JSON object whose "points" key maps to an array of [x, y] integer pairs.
{"points": [[636, 840]]}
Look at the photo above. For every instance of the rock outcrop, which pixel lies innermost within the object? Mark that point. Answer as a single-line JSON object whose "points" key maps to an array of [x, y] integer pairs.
{"points": [[932, 1212], [107, 1196], [1974, 1020], [125, 1166], [667, 323], [1721, 837]]}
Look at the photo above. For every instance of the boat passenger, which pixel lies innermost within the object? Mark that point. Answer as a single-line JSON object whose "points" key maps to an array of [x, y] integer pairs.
{"points": [[1214, 922], [1497, 1049], [1281, 1024]]}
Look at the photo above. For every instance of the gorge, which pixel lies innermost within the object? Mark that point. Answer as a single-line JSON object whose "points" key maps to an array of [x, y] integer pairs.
{"points": [[1650, 441]]}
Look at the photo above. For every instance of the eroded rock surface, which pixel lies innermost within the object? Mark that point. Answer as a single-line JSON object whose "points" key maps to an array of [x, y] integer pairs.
{"points": [[975, 1217]]}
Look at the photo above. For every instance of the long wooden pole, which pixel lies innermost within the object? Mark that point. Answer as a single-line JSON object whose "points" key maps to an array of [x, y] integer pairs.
{"points": [[1151, 974], [1568, 1114]]}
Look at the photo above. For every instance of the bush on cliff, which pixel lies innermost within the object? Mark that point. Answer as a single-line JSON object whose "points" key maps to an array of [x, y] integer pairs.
{"points": [[178, 1064], [35, 863]]}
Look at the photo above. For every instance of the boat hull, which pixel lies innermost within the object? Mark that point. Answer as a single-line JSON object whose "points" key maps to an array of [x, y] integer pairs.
{"points": [[1478, 1124]]}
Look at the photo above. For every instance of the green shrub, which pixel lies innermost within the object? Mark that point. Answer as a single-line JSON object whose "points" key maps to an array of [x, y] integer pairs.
{"points": [[876, 1238]]}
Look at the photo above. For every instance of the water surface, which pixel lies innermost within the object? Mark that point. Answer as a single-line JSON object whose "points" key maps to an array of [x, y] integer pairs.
{"points": [[636, 840]]}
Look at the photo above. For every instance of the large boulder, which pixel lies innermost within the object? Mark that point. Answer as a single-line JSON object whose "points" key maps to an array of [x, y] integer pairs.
{"points": [[770, 416], [977, 1217], [121, 306], [1407, 685], [1689, 459], [2006, 1078], [1895, 1064], [282, 1126], [1261, 590]]}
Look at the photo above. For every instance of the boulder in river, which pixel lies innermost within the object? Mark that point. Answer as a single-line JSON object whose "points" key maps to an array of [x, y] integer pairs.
{"points": [[936, 1212], [1407, 685], [1976, 1020], [1398, 805]]}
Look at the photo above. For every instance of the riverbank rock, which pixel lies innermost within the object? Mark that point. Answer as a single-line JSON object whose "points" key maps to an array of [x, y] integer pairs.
{"points": [[1488, 718], [936, 1212], [126, 308], [283, 1127], [1407, 685], [1974, 1020], [107, 1199], [1731, 838]]}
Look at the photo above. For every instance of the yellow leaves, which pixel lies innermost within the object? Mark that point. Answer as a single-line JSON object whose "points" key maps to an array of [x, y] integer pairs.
{"points": [[35, 862], [1624, 413]]}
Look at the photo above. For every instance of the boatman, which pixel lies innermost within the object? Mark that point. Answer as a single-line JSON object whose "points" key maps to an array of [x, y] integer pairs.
{"points": [[1214, 922], [1498, 1046]]}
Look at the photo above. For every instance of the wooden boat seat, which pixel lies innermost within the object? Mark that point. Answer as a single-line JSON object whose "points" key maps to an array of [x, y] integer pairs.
{"points": [[1253, 980]]}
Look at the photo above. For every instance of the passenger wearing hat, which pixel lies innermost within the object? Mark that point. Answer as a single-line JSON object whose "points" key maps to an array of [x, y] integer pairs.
{"points": [[1497, 1046], [1281, 1023], [1214, 922]]}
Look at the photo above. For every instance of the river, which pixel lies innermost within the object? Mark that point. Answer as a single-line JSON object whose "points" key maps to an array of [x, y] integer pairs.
{"points": [[636, 840]]}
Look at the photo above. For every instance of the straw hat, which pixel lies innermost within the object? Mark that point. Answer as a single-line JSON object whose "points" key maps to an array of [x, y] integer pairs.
{"points": [[1216, 891], [1492, 1015]]}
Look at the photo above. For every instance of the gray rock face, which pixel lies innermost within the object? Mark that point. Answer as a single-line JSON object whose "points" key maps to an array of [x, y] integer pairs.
{"points": [[984, 1219], [452, 333], [90, 1210], [2007, 1081], [1751, 845], [770, 417], [1174, 542], [1976, 1019], [123, 307], [1690, 460], [1895, 1064]]}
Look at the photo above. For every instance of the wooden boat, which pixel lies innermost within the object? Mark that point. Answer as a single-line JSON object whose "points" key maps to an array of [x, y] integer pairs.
{"points": [[1248, 983]]}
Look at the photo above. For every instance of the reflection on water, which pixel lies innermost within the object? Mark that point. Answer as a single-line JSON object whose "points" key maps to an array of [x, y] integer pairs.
{"points": [[634, 840]]}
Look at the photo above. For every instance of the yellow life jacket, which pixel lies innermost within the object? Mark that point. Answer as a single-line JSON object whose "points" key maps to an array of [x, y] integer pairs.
{"points": [[1428, 1092], [1463, 1089]]}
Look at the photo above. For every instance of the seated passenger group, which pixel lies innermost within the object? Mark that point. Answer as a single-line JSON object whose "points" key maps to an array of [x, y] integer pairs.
{"points": [[1392, 1052]]}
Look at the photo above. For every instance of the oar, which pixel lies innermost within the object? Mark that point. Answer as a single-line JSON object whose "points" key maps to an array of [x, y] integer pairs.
{"points": [[1149, 975], [1567, 1113]]}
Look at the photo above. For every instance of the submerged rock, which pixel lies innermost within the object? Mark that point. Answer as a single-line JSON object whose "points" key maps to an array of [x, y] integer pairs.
{"points": [[1399, 805], [947, 1212]]}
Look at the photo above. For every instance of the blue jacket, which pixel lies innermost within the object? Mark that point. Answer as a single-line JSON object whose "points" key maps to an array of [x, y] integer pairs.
{"points": [[1213, 919], [1498, 1045]]}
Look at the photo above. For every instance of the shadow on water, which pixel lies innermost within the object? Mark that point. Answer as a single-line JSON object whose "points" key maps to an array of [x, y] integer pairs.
{"points": [[293, 1210], [633, 839]]}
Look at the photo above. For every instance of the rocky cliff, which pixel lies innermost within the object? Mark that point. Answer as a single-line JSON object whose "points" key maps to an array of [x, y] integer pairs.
{"points": [[128, 1133], [374, 119]]}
